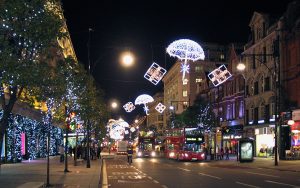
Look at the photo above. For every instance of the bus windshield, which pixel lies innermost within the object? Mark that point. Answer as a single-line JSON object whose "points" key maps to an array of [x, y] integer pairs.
{"points": [[194, 147]]}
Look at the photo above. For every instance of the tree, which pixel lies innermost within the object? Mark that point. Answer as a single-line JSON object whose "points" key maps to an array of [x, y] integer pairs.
{"points": [[29, 31], [200, 115]]}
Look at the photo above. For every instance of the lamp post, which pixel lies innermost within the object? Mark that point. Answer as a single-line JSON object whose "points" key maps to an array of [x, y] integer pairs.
{"points": [[276, 77], [241, 67]]}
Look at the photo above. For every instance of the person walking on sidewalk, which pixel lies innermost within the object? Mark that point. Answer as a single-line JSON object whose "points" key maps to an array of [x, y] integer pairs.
{"points": [[227, 153]]}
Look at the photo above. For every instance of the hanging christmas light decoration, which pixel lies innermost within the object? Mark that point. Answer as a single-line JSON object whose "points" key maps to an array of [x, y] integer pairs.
{"points": [[144, 99], [185, 49], [116, 128], [219, 75], [129, 107], [160, 107], [155, 73]]}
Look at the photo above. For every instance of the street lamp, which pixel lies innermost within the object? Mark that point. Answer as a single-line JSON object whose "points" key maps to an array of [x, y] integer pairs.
{"points": [[276, 76], [241, 67]]}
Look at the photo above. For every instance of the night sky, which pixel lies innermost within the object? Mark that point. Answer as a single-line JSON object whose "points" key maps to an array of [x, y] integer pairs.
{"points": [[146, 28]]}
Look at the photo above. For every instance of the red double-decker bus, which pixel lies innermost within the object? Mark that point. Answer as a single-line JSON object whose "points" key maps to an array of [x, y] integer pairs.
{"points": [[184, 144]]}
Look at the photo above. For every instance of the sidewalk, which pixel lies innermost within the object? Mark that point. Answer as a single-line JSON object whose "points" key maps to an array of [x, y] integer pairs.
{"points": [[33, 174]]}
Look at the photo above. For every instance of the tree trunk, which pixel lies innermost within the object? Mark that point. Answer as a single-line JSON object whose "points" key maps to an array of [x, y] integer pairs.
{"points": [[7, 109], [3, 127]]}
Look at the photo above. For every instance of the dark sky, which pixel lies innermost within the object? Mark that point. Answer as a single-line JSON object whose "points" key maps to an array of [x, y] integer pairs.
{"points": [[146, 28]]}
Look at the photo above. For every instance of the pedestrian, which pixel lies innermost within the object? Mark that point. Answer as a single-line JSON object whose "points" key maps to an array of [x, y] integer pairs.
{"points": [[227, 152], [205, 152], [217, 152], [222, 153], [99, 152], [62, 153], [211, 153], [129, 154]]}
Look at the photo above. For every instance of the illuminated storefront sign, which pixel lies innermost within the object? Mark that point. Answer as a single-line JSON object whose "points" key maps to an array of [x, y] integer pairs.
{"points": [[228, 137], [194, 139]]}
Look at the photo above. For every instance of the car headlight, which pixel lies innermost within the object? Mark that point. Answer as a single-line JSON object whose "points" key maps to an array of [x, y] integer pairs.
{"points": [[202, 155], [153, 154], [186, 155], [139, 154]]}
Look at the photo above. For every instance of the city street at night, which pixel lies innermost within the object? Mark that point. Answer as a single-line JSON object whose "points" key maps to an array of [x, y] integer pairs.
{"points": [[149, 94]]}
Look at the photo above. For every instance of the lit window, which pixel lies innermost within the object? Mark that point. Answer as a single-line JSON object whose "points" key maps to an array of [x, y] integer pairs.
{"points": [[185, 81], [222, 57], [198, 80], [197, 69], [184, 93]]}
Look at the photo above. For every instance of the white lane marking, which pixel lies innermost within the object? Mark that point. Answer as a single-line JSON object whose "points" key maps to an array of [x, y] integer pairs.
{"points": [[247, 185], [104, 176], [150, 177], [209, 176], [279, 183], [262, 174], [184, 169], [164, 186], [155, 181]]}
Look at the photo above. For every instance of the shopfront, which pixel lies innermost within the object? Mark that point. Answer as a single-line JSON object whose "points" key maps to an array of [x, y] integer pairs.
{"points": [[265, 141], [231, 142], [295, 138]]}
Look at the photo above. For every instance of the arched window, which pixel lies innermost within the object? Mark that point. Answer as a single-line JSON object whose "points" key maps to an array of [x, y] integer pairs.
{"points": [[261, 84]]}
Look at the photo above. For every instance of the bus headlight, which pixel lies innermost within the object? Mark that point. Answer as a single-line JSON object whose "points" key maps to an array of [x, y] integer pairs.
{"points": [[153, 154], [172, 154], [139, 154]]}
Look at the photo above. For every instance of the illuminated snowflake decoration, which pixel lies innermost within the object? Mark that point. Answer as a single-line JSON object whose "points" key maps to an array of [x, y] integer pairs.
{"points": [[144, 99], [160, 107], [184, 68], [129, 107], [185, 49], [219, 75], [155, 73]]}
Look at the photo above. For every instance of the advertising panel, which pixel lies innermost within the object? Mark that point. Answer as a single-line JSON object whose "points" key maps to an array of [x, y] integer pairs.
{"points": [[246, 150]]}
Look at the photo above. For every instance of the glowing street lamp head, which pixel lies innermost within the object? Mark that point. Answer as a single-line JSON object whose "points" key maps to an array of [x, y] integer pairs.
{"points": [[114, 105], [241, 67], [127, 59]]}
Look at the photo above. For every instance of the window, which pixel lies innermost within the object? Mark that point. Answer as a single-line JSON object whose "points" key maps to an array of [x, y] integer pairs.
{"points": [[262, 112], [185, 105], [267, 113], [253, 62], [264, 60], [184, 93], [185, 81], [198, 80], [262, 84], [255, 88], [265, 130], [197, 69], [247, 117], [160, 117], [255, 115], [222, 57], [267, 84]]}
